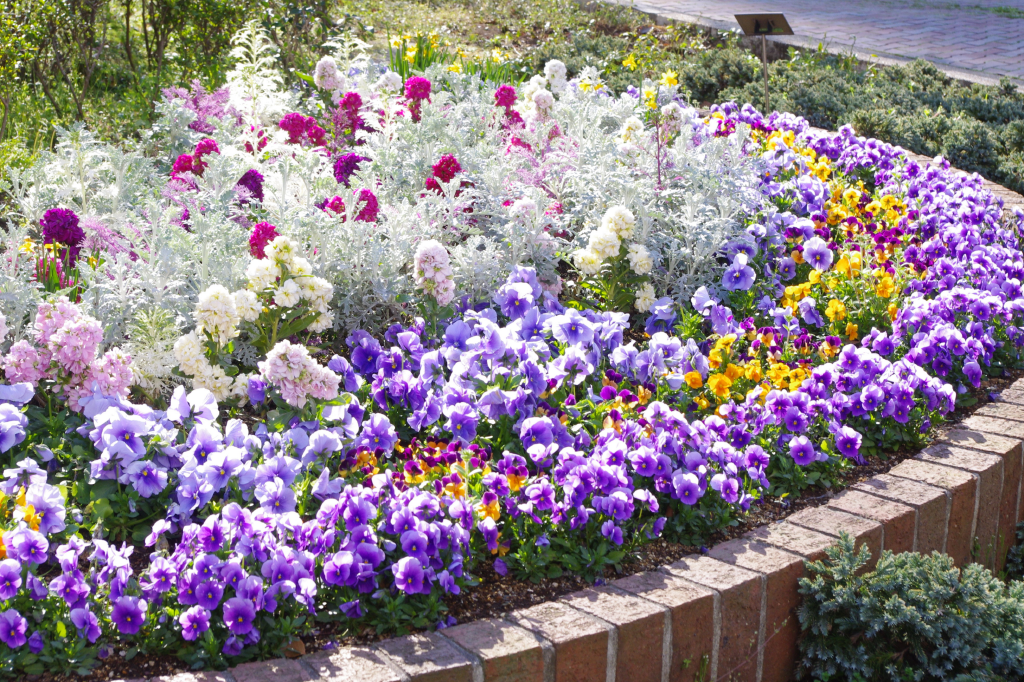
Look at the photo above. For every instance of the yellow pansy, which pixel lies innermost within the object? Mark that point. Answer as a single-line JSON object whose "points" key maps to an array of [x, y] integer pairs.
{"points": [[753, 371], [842, 266], [492, 510], [851, 331], [719, 385], [725, 342], [669, 78], [693, 379], [734, 372], [836, 310], [885, 287]]}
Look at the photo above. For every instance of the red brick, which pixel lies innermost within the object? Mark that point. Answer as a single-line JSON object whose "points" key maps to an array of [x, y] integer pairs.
{"points": [[833, 523], [989, 471], [277, 670], [740, 612], [428, 657], [640, 627], [963, 491], [1012, 395], [693, 618], [1001, 410], [580, 642], [809, 544], [507, 652], [781, 572], [1013, 461], [898, 520], [929, 502], [351, 663], [998, 427]]}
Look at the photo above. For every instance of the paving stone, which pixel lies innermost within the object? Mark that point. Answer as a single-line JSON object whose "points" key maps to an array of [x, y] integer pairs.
{"points": [[276, 670], [580, 642], [930, 503], [641, 630], [197, 676], [351, 663], [963, 490], [898, 520], [693, 618], [507, 652], [989, 470], [780, 630], [833, 522], [428, 657], [740, 604]]}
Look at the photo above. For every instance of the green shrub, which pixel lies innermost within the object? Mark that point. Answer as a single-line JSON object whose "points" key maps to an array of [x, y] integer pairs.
{"points": [[913, 617]]}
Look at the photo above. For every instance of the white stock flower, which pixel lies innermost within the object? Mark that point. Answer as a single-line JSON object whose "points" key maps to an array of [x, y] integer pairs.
{"points": [[555, 73], [620, 220], [588, 262], [644, 297], [216, 313], [536, 83], [323, 322], [288, 294], [262, 274], [604, 243], [640, 259], [247, 305], [283, 251], [188, 353]]}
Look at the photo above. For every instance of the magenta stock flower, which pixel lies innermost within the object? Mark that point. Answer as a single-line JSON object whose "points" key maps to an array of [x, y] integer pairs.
{"points": [[262, 234]]}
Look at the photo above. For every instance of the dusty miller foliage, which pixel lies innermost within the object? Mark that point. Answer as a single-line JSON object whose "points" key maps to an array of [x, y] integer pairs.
{"points": [[156, 263], [913, 617]]}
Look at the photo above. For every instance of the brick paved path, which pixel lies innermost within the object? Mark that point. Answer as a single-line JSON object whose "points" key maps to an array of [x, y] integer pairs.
{"points": [[969, 39]]}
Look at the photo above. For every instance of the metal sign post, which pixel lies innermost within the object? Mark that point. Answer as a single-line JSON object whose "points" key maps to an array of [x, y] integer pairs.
{"points": [[764, 25]]}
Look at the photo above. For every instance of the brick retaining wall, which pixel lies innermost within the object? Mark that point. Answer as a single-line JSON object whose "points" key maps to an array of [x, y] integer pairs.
{"points": [[734, 607]]}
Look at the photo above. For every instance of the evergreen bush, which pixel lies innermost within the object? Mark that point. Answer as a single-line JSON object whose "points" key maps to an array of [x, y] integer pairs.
{"points": [[914, 617]]}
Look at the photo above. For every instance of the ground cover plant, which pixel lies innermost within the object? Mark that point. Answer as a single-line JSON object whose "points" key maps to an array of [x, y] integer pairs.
{"points": [[307, 357]]}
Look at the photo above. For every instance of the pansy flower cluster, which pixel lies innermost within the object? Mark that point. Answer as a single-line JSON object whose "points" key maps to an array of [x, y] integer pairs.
{"points": [[523, 431]]}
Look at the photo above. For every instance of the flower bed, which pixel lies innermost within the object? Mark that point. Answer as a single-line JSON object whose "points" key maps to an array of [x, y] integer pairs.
{"points": [[438, 321]]}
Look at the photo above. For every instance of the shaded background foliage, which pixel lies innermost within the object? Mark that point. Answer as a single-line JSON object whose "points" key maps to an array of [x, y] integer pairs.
{"points": [[105, 61]]}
